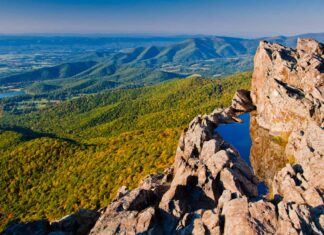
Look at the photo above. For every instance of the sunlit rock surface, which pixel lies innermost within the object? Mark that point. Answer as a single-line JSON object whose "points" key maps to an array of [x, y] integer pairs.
{"points": [[288, 91], [288, 85], [189, 197], [210, 189]]}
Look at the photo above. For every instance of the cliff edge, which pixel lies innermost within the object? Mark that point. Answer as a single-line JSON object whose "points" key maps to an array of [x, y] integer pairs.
{"points": [[210, 189]]}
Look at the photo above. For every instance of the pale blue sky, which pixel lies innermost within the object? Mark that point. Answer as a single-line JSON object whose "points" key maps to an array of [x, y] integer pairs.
{"points": [[221, 17]]}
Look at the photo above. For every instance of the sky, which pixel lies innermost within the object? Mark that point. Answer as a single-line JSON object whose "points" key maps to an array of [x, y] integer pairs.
{"points": [[248, 18]]}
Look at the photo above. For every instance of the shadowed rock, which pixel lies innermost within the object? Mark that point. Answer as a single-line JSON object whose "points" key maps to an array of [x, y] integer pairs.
{"points": [[79, 223], [212, 190], [209, 189]]}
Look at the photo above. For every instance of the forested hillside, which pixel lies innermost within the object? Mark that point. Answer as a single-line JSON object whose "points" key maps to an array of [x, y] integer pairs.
{"points": [[65, 75], [95, 71], [78, 153], [142, 65]]}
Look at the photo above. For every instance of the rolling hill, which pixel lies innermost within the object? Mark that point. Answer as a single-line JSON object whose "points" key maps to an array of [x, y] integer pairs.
{"points": [[95, 72]]}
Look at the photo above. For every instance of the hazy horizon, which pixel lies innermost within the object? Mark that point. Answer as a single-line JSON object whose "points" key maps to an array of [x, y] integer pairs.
{"points": [[144, 35], [232, 18]]}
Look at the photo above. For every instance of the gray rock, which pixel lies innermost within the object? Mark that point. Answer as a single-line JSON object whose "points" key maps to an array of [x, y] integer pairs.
{"points": [[288, 85], [209, 189]]}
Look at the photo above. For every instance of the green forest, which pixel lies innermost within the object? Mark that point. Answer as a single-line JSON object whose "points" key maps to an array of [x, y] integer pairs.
{"points": [[78, 153]]}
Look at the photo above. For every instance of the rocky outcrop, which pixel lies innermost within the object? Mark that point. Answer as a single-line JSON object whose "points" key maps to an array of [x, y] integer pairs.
{"points": [[189, 196], [288, 85], [288, 91], [209, 189]]}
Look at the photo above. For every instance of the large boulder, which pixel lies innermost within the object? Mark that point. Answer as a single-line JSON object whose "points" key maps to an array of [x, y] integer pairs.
{"points": [[244, 217], [288, 85]]}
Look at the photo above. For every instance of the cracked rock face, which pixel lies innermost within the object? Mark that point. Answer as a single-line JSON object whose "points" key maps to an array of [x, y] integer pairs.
{"points": [[209, 189], [288, 85], [189, 197], [288, 91]]}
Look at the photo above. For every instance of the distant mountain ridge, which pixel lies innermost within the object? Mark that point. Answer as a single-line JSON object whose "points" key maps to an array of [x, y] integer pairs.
{"points": [[74, 155], [98, 71]]}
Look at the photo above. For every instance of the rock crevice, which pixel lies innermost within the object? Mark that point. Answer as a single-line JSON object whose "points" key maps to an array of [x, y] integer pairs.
{"points": [[210, 190]]}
